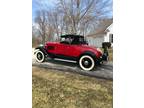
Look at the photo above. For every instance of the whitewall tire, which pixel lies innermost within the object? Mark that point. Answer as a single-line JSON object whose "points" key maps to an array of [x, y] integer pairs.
{"points": [[86, 62], [40, 57]]}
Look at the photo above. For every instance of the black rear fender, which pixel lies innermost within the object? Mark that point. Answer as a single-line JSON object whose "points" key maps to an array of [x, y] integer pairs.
{"points": [[88, 53]]}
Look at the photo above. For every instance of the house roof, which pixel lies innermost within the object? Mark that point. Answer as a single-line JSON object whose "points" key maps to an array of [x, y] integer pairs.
{"points": [[101, 30], [96, 35], [109, 28]]}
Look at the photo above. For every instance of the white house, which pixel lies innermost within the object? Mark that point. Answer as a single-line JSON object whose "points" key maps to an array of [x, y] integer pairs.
{"points": [[103, 36], [96, 40], [109, 34]]}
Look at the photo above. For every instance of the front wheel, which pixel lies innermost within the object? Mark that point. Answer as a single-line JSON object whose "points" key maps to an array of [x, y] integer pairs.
{"points": [[86, 62], [40, 57]]}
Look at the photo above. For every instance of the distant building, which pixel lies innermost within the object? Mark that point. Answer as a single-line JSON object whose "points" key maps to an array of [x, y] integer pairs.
{"points": [[109, 34], [104, 35]]}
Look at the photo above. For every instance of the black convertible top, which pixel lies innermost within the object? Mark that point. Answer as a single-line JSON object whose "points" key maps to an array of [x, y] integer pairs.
{"points": [[72, 35]]}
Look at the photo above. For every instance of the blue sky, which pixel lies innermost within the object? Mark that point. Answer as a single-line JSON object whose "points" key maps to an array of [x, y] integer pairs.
{"points": [[49, 3], [35, 6]]}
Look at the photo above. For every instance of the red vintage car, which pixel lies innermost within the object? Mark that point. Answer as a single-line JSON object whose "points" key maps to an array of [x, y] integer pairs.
{"points": [[71, 47]]}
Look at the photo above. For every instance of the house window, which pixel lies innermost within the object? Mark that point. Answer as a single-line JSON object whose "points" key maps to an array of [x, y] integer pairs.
{"points": [[111, 38]]}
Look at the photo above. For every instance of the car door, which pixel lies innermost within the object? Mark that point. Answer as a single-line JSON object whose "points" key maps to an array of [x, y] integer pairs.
{"points": [[74, 50], [62, 49], [66, 49]]}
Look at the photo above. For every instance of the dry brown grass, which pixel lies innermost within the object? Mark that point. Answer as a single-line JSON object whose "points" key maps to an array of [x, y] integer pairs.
{"points": [[110, 54], [55, 89]]}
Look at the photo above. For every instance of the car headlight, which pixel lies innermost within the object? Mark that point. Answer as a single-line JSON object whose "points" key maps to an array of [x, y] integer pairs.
{"points": [[41, 45], [99, 50]]}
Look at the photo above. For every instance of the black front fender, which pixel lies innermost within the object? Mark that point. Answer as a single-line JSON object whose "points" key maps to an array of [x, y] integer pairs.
{"points": [[42, 48]]}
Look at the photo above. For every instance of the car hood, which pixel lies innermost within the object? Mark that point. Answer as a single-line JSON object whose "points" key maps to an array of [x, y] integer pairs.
{"points": [[91, 47]]}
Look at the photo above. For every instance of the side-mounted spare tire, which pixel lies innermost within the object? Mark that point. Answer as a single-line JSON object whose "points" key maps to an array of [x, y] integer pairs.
{"points": [[86, 62]]}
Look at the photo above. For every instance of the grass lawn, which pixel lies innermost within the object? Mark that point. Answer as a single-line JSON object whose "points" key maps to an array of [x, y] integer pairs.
{"points": [[55, 89], [110, 54]]}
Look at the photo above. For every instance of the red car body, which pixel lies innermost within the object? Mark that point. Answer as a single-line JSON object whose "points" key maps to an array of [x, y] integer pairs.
{"points": [[73, 47], [69, 50]]}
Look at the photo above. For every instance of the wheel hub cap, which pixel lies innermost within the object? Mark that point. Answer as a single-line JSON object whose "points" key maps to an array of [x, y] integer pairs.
{"points": [[39, 56], [86, 62]]}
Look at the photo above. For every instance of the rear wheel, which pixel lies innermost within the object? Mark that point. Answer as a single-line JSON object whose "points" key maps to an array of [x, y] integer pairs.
{"points": [[40, 56], [86, 62]]}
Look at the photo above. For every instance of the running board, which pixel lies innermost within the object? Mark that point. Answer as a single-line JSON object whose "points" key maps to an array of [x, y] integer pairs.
{"points": [[65, 60]]}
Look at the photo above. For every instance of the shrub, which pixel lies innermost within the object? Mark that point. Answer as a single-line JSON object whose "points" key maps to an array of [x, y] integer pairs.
{"points": [[106, 44]]}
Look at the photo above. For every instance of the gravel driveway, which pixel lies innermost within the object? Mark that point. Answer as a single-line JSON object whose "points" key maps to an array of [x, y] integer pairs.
{"points": [[104, 71]]}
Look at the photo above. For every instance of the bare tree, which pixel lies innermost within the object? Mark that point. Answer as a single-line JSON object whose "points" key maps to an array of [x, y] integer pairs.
{"points": [[41, 20], [70, 16], [54, 21], [79, 15]]}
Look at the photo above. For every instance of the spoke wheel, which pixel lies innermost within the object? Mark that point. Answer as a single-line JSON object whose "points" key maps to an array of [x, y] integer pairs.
{"points": [[40, 57]]}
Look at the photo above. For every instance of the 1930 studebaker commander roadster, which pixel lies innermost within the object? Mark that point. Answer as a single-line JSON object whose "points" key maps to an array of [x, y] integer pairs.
{"points": [[71, 47]]}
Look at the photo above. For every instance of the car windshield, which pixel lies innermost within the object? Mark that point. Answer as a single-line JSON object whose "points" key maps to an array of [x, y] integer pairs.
{"points": [[66, 40]]}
